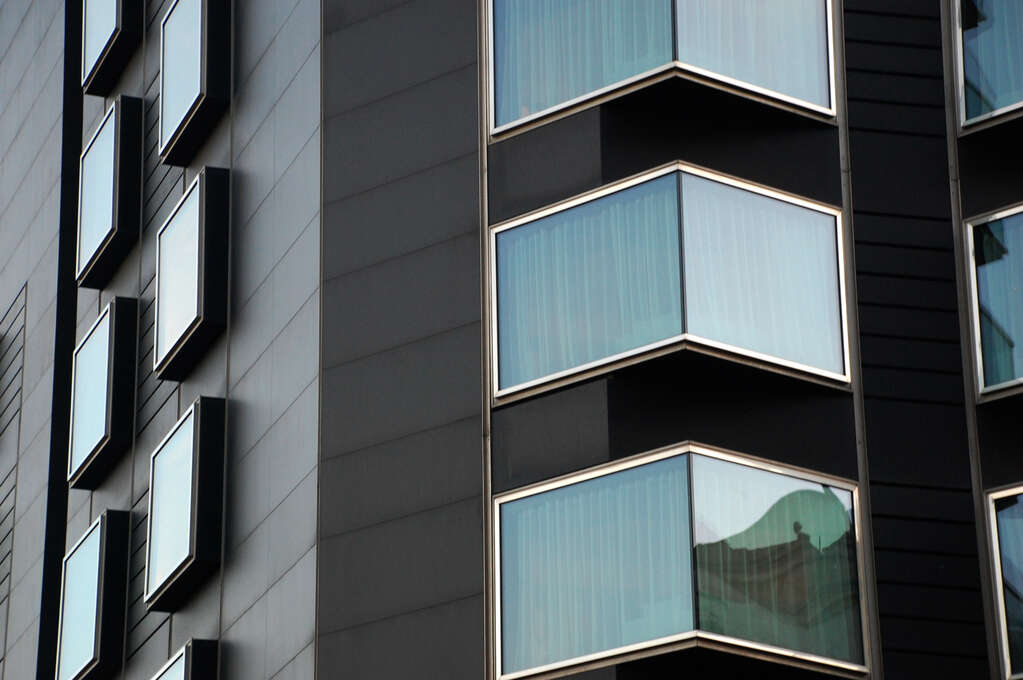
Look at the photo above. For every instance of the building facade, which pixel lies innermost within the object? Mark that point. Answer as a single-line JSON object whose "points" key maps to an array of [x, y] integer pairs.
{"points": [[510, 339]]}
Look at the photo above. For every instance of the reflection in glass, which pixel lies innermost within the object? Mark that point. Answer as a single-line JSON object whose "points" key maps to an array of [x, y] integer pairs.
{"points": [[761, 274], [99, 21], [79, 598], [170, 517], [178, 268], [181, 76], [1009, 514], [776, 560], [176, 671], [589, 283], [992, 55], [596, 565], [90, 395], [998, 252], [96, 209]]}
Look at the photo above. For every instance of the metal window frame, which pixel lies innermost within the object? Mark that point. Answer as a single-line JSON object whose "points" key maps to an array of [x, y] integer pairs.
{"points": [[108, 639], [672, 68], [685, 340], [175, 361], [696, 637], [996, 569], [205, 524], [125, 114], [200, 660], [100, 77], [968, 125], [985, 392]]}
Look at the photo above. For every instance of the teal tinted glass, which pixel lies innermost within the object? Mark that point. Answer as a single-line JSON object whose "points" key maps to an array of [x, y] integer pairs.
{"points": [[776, 560], [96, 208], [589, 283], [177, 301], [90, 395], [181, 74], [596, 565], [1009, 513], [79, 603], [998, 256], [99, 21], [992, 54], [176, 671], [170, 518]]}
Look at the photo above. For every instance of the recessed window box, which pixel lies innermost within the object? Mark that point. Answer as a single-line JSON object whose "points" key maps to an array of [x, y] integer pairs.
{"points": [[92, 600], [195, 75], [197, 660], [185, 513], [191, 275], [109, 190], [103, 394], [990, 59], [111, 30]]}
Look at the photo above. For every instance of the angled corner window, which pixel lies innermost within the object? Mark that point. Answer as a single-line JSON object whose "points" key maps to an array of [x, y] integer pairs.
{"points": [[184, 521], [991, 53], [191, 275], [996, 263], [1006, 523], [110, 185], [672, 546], [195, 68], [197, 660], [92, 600], [678, 255], [102, 394], [547, 56], [110, 33]]}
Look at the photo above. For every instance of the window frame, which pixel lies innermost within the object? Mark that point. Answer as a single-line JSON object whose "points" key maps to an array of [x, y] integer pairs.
{"points": [[695, 637], [968, 125], [200, 660], [118, 48], [996, 569], [212, 284], [670, 69], [686, 340], [205, 506]]}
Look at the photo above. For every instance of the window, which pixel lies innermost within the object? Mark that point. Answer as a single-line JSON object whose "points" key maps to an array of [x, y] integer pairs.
{"points": [[547, 56], [996, 249], [110, 33], [92, 600], [600, 278], [1007, 542], [195, 661], [102, 394], [991, 54], [191, 275], [184, 521], [672, 546], [195, 67], [108, 193]]}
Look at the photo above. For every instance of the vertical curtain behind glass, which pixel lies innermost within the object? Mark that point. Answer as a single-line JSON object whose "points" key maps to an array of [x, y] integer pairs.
{"points": [[998, 250], [589, 283], [551, 51], [596, 565], [1010, 544], [992, 54]]}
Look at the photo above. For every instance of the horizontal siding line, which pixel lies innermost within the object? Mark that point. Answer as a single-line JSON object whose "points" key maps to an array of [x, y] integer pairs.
{"points": [[914, 247], [936, 77], [923, 520], [381, 619], [889, 14], [398, 518], [896, 305], [894, 102], [905, 369], [395, 180], [900, 133], [929, 652], [905, 400], [906, 216]]}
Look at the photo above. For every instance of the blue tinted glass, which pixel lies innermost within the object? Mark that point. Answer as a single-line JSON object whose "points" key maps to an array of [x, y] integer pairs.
{"points": [[177, 298], [170, 517], [548, 52], [781, 45], [596, 565], [992, 54], [96, 211], [761, 274], [181, 77], [79, 600], [1009, 512], [89, 398], [99, 21], [176, 671], [589, 283], [998, 250]]}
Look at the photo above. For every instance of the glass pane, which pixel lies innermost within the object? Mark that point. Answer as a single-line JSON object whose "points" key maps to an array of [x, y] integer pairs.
{"points": [[548, 52], [181, 78], [1009, 512], [761, 274], [998, 249], [78, 607], [99, 22], [171, 518], [177, 290], [96, 212], [780, 45], [589, 283], [992, 54], [775, 560], [176, 671], [89, 400], [596, 565]]}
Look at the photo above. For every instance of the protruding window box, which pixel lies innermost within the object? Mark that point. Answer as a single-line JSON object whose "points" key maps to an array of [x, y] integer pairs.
{"points": [[111, 30], [195, 75], [102, 394], [989, 54], [191, 275], [197, 660], [1006, 524], [185, 513], [92, 600], [110, 185]]}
